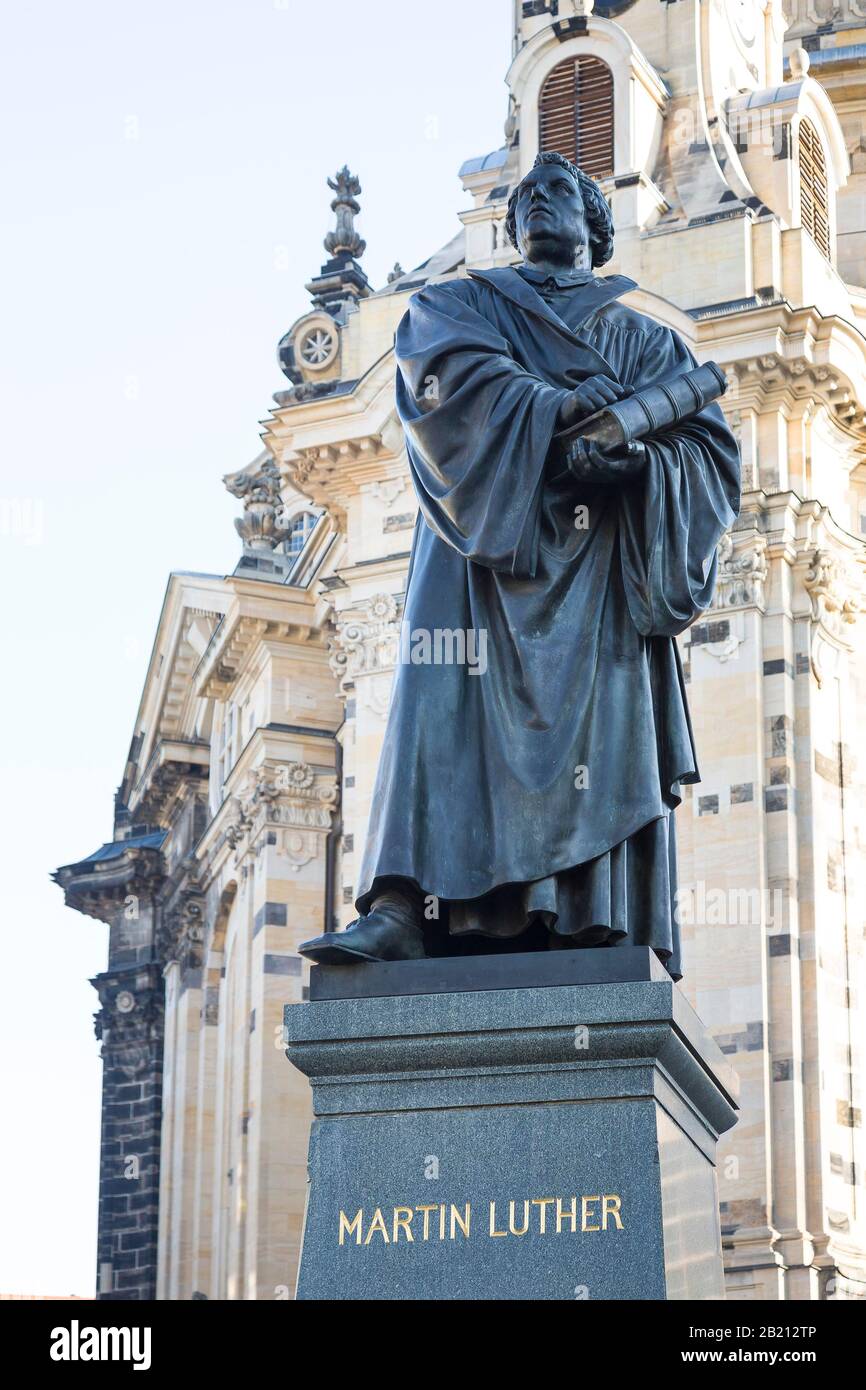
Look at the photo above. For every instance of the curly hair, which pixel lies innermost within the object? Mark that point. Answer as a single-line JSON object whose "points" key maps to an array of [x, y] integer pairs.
{"points": [[598, 214]]}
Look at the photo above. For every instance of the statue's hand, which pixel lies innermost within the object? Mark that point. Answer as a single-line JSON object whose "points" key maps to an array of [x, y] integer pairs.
{"points": [[591, 395], [588, 463]]}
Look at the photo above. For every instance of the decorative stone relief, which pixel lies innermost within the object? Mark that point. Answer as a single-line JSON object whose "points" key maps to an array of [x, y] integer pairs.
{"points": [[836, 586], [183, 938], [262, 525], [743, 570], [366, 646], [721, 639], [317, 345], [836, 591], [298, 846], [388, 491], [130, 1018], [292, 800]]}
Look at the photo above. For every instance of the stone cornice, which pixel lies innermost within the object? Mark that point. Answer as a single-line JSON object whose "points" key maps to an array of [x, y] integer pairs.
{"points": [[281, 614], [330, 473], [776, 353], [98, 887], [374, 571], [326, 448], [191, 610], [172, 762]]}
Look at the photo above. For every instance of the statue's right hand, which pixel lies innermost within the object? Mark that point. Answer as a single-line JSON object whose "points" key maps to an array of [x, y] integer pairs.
{"points": [[591, 395]]}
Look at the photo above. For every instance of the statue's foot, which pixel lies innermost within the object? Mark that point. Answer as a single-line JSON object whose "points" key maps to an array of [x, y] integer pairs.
{"points": [[381, 936]]}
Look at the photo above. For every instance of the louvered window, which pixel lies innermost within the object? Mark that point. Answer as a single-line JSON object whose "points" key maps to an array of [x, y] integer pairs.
{"points": [[814, 201], [576, 114]]}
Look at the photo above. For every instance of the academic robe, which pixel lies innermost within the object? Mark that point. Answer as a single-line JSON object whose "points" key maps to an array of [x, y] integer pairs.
{"points": [[541, 787]]}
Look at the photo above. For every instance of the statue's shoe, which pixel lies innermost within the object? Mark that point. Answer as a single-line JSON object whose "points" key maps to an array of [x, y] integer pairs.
{"points": [[378, 937]]}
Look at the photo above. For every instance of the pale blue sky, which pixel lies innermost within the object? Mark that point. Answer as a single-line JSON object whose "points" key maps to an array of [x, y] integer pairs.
{"points": [[160, 162]]}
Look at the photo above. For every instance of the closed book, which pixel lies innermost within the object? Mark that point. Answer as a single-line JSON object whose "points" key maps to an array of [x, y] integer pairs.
{"points": [[650, 410]]}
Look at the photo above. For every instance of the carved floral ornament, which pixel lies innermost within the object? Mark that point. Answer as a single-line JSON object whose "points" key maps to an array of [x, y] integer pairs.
{"points": [[290, 798], [743, 570], [366, 639]]}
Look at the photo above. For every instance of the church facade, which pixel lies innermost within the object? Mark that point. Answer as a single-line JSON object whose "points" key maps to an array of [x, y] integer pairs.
{"points": [[730, 141]]}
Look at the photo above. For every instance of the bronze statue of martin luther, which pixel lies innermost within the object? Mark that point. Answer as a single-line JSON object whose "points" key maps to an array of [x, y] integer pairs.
{"points": [[532, 802]]}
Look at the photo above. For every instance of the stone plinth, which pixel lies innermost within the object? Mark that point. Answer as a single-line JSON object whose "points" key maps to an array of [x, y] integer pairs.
{"points": [[538, 1126]]}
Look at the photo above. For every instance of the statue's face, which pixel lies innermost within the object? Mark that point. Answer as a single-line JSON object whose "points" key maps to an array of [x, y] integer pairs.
{"points": [[550, 218]]}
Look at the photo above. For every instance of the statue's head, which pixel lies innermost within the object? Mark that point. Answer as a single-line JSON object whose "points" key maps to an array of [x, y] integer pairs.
{"points": [[556, 211]]}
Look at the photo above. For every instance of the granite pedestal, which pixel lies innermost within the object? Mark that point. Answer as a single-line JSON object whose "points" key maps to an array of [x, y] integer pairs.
{"points": [[525, 1126]]}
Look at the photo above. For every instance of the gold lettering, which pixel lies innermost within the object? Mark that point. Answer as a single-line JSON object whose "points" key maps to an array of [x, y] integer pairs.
{"points": [[402, 1222], [585, 1213], [511, 1226], [493, 1230], [377, 1225], [427, 1210], [455, 1217], [543, 1203], [566, 1215], [348, 1227], [461, 1221], [611, 1205]]}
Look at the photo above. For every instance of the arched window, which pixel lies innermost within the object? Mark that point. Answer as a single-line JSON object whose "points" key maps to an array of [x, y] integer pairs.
{"points": [[814, 199], [575, 114], [299, 532]]}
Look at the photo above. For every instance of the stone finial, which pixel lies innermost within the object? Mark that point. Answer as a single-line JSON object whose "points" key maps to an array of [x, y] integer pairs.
{"points": [[344, 240], [341, 281], [396, 273], [261, 527], [799, 60]]}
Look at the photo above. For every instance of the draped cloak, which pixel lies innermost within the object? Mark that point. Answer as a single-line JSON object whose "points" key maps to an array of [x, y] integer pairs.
{"points": [[539, 785]]}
